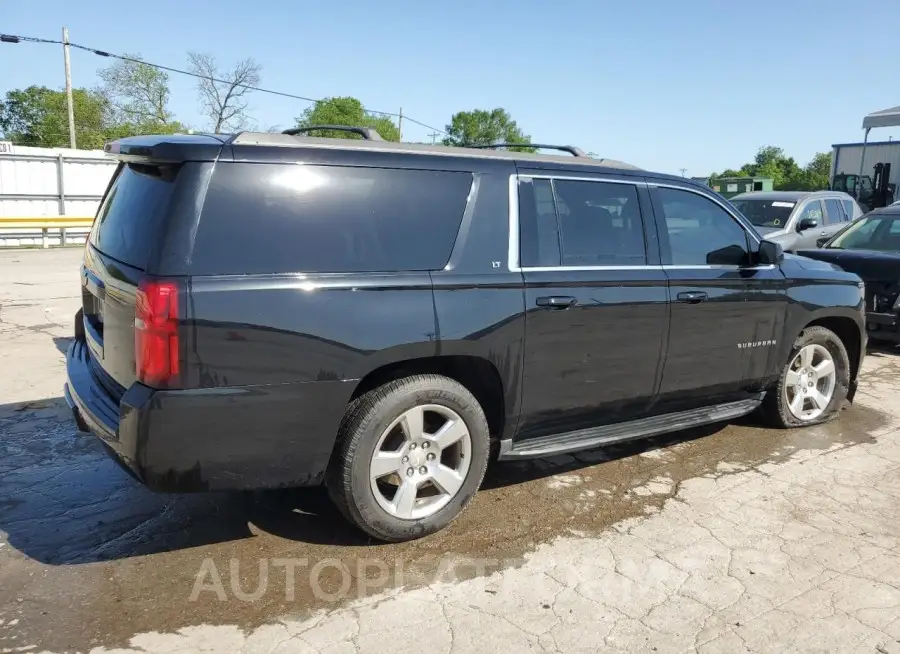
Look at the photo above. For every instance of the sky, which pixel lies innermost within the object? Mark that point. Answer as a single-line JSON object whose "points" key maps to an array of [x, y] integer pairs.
{"points": [[666, 85]]}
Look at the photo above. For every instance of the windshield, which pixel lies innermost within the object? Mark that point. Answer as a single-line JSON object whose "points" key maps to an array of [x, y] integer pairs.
{"points": [[871, 233], [765, 213]]}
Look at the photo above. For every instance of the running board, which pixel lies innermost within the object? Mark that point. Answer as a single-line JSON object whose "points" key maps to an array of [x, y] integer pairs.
{"points": [[583, 439]]}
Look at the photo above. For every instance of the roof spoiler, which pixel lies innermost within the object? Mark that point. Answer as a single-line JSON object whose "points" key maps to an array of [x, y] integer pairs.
{"points": [[571, 149], [166, 148], [368, 133]]}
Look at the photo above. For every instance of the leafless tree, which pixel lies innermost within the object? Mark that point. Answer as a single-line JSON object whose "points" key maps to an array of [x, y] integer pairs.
{"points": [[223, 94]]}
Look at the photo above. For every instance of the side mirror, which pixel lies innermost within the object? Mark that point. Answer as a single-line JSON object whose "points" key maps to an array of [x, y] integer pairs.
{"points": [[732, 255], [770, 252], [822, 241], [807, 223]]}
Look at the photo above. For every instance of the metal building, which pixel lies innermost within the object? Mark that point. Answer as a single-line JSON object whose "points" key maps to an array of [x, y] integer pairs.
{"points": [[731, 186], [849, 159]]}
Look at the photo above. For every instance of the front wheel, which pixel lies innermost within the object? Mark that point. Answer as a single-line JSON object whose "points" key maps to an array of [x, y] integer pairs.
{"points": [[813, 384], [410, 456]]}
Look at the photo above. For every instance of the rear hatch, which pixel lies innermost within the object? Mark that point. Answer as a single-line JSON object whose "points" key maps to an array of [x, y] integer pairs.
{"points": [[116, 257], [123, 248]]}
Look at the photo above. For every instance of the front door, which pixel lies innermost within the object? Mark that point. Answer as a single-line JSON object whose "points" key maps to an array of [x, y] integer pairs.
{"points": [[806, 239], [725, 312], [596, 302]]}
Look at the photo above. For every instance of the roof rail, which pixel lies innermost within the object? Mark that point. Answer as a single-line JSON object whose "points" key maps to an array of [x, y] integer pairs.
{"points": [[368, 133], [571, 149]]}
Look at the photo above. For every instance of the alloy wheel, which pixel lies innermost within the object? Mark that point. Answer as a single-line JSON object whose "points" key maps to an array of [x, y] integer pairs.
{"points": [[809, 385], [420, 462]]}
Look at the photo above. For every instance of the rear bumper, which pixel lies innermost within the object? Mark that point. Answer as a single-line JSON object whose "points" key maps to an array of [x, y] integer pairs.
{"points": [[233, 438]]}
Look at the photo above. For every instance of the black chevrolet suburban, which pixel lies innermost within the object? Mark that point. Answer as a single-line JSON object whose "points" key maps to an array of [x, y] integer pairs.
{"points": [[277, 310]]}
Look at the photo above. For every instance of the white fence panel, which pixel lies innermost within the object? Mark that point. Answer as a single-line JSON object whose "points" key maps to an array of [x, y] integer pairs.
{"points": [[50, 182]]}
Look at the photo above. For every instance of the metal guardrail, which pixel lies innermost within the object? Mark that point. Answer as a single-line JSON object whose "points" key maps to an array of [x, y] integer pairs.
{"points": [[45, 224]]}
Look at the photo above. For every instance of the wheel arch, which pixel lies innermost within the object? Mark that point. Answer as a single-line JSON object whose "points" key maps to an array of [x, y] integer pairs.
{"points": [[479, 375], [846, 329]]}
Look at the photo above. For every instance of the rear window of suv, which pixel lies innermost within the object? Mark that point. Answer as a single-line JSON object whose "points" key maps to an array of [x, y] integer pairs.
{"points": [[269, 218], [132, 212]]}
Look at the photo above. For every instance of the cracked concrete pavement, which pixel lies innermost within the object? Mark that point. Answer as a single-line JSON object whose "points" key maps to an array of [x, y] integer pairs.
{"points": [[731, 538]]}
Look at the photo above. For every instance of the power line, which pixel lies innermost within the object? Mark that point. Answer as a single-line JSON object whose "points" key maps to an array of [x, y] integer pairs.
{"points": [[16, 38]]}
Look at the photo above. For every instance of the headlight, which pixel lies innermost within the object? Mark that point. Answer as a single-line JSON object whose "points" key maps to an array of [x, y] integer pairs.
{"points": [[897, 303]]}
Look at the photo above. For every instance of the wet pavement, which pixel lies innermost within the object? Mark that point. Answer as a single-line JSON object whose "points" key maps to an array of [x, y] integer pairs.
{"points": [[705, 526]]}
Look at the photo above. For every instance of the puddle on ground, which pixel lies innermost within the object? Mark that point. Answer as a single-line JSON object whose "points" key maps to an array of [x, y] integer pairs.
{"points": [[94, 558]]}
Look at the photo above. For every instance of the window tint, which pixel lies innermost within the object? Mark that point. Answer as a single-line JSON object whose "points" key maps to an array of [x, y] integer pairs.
{"points": [[538, 232], [835, 212], [132, 212], [599, 224], [261, 218], [700, 231]]}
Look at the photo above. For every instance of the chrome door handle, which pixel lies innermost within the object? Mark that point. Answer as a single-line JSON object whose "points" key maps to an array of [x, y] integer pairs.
{"points": [[692, 297], [556, 301]]}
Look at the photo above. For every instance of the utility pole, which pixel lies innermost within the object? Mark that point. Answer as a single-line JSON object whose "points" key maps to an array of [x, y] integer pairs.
{"points": [[400, 124], [683, 171], [71, 106], [433, 136]]}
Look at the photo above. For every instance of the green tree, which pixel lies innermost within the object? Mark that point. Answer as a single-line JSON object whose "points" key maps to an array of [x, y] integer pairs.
{"points": [[139, 98], [346, 111], [480, 127], [771, 161], [38, 116], [818, 171]]}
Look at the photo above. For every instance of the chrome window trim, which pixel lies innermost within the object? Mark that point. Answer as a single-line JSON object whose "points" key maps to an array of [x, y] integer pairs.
{"points": [[513, 253], [767, 266], [586, 268], [578, 178]]}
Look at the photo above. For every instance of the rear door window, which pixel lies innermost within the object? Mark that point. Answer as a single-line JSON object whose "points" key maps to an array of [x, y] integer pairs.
{"points": [[835, 213], [599, 224], [848, 209], [579, 223], [132, 213], [267, 218]]}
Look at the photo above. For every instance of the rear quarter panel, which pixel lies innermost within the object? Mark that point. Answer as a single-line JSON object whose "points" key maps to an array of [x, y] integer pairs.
{"points": [[272, 363]]}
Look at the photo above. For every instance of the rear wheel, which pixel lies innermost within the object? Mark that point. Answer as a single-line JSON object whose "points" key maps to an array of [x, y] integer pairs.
{"points": [[410, 456], [813, 384]]}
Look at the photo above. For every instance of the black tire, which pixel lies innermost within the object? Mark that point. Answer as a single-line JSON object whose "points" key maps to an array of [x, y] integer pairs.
{"points": [[775, 410], [347, 478]]}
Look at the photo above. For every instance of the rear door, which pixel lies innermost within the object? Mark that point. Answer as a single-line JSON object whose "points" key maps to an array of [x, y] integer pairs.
{"points": [[835, 218], [595, 298]]}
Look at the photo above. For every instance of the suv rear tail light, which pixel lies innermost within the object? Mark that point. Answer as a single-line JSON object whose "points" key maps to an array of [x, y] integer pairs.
{"points": [[156, 346]]}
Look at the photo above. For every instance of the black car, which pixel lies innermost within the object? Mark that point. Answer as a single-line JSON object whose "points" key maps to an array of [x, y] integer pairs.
{"points": [[870, 247], [276, 310]]}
